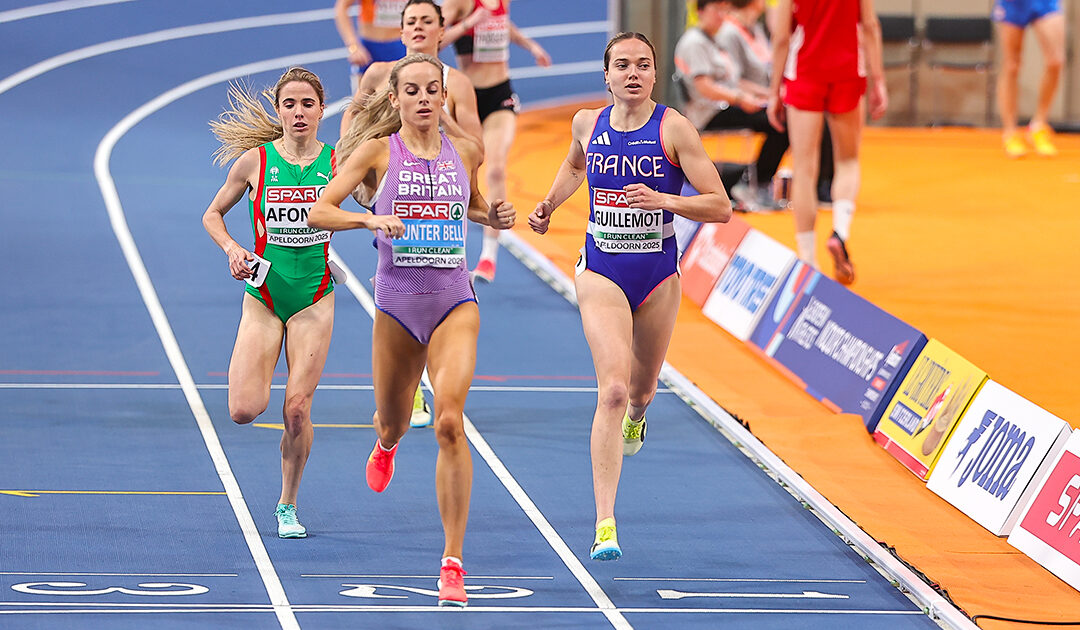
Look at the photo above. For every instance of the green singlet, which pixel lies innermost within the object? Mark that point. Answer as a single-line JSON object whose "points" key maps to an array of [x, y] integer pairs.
{"points": [[298, 275]]}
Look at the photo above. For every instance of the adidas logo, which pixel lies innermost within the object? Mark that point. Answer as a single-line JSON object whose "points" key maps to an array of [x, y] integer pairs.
{"points": [[602, 139]]}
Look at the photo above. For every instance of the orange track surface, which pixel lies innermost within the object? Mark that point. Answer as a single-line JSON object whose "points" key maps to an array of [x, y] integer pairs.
{"points": [[951, 237]]}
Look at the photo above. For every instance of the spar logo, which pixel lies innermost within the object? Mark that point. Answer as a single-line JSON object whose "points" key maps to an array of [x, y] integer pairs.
{"points": [[994, 462], [1054, 514], [609, 198], [294, 194], [429, 210]]}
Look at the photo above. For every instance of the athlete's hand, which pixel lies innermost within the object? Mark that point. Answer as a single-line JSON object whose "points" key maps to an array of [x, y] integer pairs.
{"points": [[388, 223], [501, 215], [238, 257], [541, 217], [642, 197], [476, 17], [358, 55], [543, 59], [879, 98], [777, 114]]}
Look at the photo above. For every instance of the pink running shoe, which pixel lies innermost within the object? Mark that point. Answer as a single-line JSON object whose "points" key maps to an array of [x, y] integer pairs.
{"points": [[380, 467], [452, 585], [844, 270], [485, 270]]}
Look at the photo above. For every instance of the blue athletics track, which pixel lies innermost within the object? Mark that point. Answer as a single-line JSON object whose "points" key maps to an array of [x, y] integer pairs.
{"points": [[131, 500]]}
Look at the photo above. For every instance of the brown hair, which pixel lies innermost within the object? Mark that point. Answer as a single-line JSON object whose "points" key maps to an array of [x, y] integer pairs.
{"points": [[438, 10], [375, 117], [625, 36], [246, 124]]}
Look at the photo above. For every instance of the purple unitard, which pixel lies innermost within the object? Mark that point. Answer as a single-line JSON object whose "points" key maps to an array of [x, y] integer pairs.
{"points": [[422, 276]]}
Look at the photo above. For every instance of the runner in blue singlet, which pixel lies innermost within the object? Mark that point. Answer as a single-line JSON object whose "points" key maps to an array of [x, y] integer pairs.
{"points": [[634, 154]]}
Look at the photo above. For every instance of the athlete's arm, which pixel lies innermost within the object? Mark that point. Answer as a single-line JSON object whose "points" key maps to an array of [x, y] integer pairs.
{"points": [[682, 142], [879, 96], [241, 176], [358, 55], [499, 214], [327, 213], [571, 172], [529, 44], [463, 106], [456, 13], [781, 43]]}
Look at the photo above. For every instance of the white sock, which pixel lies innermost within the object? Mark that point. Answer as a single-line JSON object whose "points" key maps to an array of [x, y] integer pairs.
{"points": [[384, 449], [448, 559], [842, 212], [807, 247], [490, 248]]}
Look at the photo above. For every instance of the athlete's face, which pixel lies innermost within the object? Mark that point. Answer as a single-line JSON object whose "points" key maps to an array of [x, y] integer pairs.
{"points": [[419, 96], [631, 73], [299, 109], [420, 30]]}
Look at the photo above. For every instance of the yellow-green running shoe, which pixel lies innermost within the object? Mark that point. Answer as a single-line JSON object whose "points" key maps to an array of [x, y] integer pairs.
{"points": [[606, 544], [633, 435], [421, 413], [287, 525]]}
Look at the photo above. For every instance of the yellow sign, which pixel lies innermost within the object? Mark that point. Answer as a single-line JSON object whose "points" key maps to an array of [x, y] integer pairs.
{"points": [[932, 397]]}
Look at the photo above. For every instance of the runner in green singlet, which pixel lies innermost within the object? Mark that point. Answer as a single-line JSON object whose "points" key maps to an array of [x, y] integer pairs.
{"points": [[283, 168]]}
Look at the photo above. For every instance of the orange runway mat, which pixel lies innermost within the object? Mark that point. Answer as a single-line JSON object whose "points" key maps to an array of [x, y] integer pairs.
{"points": [[950, 236]]}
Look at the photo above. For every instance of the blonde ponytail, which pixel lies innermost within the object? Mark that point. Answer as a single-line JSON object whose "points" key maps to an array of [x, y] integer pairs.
{"points": [[246, 124], [375, 116]]}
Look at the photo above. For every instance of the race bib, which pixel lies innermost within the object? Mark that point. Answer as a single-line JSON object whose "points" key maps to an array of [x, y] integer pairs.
{"points": [[434, 234], [286, 210], [388, 13], [491, 40], [617, 228], [259, 269]]}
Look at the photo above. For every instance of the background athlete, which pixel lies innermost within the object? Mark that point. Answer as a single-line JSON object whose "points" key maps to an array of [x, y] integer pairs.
{"points": [[483, 54], [282, 167], [427, 311], [634, 154], [375, 39]]}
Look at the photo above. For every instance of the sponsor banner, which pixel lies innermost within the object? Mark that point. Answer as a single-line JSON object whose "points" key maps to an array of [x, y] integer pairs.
{"points": [[747, 283], [1049, 528], [927, 405], [707, 256], [841, 349], [999, 453]]}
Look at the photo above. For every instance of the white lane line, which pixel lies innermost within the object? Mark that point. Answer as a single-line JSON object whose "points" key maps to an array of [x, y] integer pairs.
{"points": [[574, 28], [552, 389], [115, 608], [541, 523], [938, 608], [270, 579], [424, 577], [554, 70], [792, 581], [13, 15], [155, 37], [122, 574]]}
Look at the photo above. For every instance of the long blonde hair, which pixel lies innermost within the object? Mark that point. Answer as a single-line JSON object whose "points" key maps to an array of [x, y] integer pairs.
{"points": [[246, 124], [375, 116]]}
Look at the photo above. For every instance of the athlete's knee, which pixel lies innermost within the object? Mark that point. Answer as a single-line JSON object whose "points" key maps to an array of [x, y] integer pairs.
{"points": [[449, 429], [613, 396], [1010, 68], [1054, 61], [297, 414], [496, 171], [244, 411]]}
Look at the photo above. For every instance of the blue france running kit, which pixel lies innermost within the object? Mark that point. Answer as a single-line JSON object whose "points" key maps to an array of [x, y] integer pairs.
{"points": [[633, 248]]}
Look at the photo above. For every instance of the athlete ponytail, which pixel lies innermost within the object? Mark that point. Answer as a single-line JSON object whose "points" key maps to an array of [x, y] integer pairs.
{"points": [[376, 116], [246, 124]]}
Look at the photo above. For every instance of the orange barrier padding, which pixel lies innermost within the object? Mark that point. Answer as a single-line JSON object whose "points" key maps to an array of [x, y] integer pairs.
{"points": [[951, 237]]}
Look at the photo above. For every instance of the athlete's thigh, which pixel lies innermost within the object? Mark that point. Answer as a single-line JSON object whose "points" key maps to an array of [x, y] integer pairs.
{"points": [[397, 362], [1010, 39], [804, 133], [846, 131], [1050, 31], [499, 128], [307, 341], [255, 353], [608, 324], [452, 357], [654, 321]]}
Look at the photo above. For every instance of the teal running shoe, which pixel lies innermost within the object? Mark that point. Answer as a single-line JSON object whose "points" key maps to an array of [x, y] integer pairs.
{"points": [[287, 525]]}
